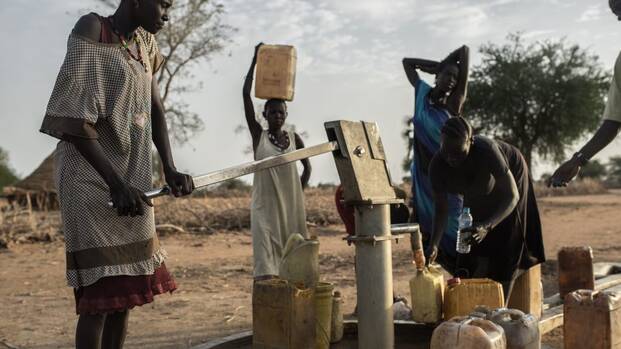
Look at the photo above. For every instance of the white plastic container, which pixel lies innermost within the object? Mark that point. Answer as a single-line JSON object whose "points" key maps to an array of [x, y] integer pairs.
{"points": [[336, 331], [521, 330], [468, 333], [300, 261]]}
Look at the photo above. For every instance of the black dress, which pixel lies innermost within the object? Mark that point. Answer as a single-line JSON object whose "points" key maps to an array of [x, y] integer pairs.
{"points": [[517, 241]]}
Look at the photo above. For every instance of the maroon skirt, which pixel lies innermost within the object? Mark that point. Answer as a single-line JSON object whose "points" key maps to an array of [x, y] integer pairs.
{"points": [[123, 292]]}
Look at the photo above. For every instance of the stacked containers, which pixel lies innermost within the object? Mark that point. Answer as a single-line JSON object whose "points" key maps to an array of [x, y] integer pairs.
{"points": [[275, 78], [468, 333], [592, 320], [461, 297]]}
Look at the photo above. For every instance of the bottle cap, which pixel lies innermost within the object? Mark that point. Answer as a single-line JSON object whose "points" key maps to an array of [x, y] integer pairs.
{"points": [[337, 293]]}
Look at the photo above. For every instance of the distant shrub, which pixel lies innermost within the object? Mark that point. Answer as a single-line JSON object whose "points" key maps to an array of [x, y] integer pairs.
{"points": [[586, 186], [326, 186]]}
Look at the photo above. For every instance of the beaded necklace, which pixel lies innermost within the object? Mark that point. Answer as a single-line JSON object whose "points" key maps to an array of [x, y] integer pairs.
{"points": [[275, 141], [125, 45]]}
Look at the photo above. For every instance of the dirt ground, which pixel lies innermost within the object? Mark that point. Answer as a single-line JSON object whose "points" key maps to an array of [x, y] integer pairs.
{"points": [[214, 277]]}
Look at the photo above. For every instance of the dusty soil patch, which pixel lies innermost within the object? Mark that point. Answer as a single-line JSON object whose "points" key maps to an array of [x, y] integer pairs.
{"points": [[214, 274]]}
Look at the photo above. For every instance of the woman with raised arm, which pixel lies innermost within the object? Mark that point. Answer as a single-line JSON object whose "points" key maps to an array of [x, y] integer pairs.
{"points": [[277, 193], [433, 106]]}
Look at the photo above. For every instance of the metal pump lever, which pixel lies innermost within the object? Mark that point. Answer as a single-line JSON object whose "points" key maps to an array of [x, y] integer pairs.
{"points": [[250, 167]]}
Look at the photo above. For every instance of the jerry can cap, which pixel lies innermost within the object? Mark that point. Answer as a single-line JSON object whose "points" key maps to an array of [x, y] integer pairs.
{"points": [[453, 281]]}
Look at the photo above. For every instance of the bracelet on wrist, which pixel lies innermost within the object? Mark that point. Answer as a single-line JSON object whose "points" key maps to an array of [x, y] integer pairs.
{"points": [[581, 159]]}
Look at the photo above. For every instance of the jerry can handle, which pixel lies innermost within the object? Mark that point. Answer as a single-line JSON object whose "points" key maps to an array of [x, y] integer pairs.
{"points": [[581, 296], [505, 314]]}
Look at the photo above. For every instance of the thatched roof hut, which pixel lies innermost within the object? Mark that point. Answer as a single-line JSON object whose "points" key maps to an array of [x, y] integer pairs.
{"points": [[36, 190]]}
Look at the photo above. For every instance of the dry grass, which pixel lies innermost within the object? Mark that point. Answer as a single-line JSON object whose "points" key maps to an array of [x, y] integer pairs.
{"points": [[211, 212], [229, 211], [19, 225], [232, 211], [204, 215], [579, 187]]}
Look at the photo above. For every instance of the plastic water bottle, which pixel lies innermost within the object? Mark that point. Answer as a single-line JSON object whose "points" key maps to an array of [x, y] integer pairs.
{"points": [[465, 221]]}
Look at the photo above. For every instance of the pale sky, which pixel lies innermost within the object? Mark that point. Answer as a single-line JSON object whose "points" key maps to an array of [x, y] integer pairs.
{"points": [[349, 65]]}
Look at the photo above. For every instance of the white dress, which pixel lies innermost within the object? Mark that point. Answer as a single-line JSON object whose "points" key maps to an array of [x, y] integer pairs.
{"points": [[277, 209]]}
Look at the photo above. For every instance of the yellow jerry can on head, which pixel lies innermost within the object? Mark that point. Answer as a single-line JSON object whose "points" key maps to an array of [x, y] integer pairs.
{"points": [[276, 69]]}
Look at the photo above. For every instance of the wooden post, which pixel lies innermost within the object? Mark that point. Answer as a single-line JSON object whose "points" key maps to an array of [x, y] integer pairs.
{"points": [[31, 220], [28, 203], [44, 202]]}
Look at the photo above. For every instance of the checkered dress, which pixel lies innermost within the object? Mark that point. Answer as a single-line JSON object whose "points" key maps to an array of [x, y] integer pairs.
{"points": [[102, 93]]}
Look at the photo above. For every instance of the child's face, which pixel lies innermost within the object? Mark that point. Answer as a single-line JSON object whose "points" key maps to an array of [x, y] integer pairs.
{"points": [[276, 114]]}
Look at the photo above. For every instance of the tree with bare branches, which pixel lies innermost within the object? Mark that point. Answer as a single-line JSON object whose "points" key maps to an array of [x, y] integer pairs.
{"points": [[195, 33]]}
